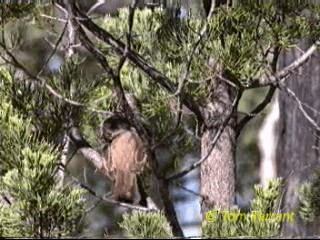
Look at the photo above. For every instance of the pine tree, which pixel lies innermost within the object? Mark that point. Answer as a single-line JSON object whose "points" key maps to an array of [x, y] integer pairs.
{"points": [[35, 205], [185, 73]]}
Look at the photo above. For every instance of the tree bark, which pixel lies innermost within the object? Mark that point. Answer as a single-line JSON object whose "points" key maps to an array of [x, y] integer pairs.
{"points": [[298, 148], [217, 173]]}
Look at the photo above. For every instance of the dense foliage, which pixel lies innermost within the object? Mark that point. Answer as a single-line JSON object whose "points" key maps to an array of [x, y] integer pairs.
{"points": [[33, 121], [37, 205]]}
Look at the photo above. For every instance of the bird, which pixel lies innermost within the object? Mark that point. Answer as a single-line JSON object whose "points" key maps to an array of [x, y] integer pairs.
{"points": [[125, 156]]}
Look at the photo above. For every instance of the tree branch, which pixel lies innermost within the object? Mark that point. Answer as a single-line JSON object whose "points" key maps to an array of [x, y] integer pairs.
{"points": [[50, 89], [135, 59], [300, 106], [108, 200], [285, 72], [87, 151], [256, 111], [212, 144], [116, 79], [69, 53]]}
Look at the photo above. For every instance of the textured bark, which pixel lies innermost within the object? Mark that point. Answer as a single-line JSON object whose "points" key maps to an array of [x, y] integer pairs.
{"points": [[298, 148], [218, 171]]}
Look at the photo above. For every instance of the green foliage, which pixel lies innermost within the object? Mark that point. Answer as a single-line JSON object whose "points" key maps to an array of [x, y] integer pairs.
{"points": [[266, 199], [309, 202], [49, 114], [239, 38], [38, 206], [258, 222], [15, 11], [146, 225], [243, 35], [150, 38], [31, 118]]}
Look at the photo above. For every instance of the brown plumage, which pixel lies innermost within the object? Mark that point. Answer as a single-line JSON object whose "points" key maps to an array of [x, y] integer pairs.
{"points": [[125, 157]]}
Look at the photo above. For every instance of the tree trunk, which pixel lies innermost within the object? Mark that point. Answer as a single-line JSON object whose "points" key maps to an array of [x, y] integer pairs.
{"points": [[298, 148], [217, 173]]}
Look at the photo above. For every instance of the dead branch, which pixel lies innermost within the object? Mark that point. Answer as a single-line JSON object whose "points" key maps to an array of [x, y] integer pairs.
{"points": [[300, 106]]}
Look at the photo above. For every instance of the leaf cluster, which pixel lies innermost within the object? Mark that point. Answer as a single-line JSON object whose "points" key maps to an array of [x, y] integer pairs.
{"points": [[265, 202], [146, 225], [38, 206], [309, 198]]}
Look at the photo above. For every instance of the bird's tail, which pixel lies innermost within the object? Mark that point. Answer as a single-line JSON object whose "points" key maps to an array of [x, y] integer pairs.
{"points": [[125, 188]]}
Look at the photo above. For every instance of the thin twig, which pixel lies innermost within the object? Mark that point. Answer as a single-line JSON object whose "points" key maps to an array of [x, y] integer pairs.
{"points": [[132, 10], [6, 199], [188, 190], [41, 82], [90, 209], [56, 45], [53, 18], [201, 36], [300, 106]]}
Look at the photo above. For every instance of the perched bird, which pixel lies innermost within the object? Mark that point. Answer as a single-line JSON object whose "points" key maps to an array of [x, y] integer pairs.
{"points": [[125, 156]]}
